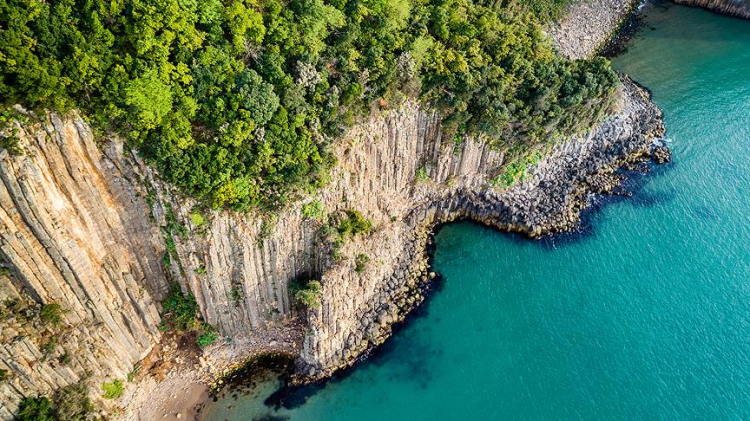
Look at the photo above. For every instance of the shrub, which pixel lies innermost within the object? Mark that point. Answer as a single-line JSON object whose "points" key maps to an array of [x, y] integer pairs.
{"points": [[3, 374], [236, 294], [112, 390], [134, 372], [4, 271], [361, 262], [180, 311], [51, 314], [309, 296], [207, 338], [313, 210], [180, 314], [35, 409], [64, 358], [49, 347], [197, 218], [9, 139], [353, 224], [422, 174], [72, 403]]}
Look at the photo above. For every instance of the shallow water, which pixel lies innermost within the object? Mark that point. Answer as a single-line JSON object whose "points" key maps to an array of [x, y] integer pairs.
{"points": [[647, 316]]}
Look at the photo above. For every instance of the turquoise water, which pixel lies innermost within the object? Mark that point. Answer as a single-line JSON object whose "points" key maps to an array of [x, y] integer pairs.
{"points": [[645, 315]]}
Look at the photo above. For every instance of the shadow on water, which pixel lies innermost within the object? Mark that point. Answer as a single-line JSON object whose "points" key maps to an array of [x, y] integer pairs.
{"points": [[409, 367]]}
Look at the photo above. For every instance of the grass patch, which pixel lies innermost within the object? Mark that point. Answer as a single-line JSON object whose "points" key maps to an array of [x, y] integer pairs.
{"points": [[516, 170], [113, 389], [207, 338], [313, 210]]}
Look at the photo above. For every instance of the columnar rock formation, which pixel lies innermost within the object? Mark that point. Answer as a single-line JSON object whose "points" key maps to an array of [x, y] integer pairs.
{"points": [[85, 224], [738, 8], [358, 310]]}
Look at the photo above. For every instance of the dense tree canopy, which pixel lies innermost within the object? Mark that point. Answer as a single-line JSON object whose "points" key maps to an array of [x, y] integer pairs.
{"points": [[236, 100]]}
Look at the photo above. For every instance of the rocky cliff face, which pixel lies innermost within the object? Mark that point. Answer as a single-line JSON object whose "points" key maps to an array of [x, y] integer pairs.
{"points": [[73, 232], [358, 309], [738, 8], [85, 224]]}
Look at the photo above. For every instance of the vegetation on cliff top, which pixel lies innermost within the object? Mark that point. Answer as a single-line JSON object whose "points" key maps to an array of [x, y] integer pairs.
{"points": [[236, 101]]}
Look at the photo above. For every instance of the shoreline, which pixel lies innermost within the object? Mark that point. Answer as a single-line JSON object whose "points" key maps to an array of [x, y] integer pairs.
{"points": [[603, 182], [639, 168], [396, 169]]}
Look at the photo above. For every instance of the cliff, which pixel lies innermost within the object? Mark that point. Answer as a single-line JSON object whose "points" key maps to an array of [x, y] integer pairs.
{"points": [[738, 8], [358, 310], [85, 224]]}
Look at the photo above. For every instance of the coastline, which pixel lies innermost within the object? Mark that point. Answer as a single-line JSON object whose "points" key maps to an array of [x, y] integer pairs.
{"points": [[358, 311], [604, 181]]}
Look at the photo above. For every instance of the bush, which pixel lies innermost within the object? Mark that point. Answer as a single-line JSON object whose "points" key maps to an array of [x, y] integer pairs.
{"points": [[112, 390], [236, 294], [361, 262], [72, 403], [9, 139], [313, 210], [309, 296], [3, 374], [180, 311], [51, 314], [35, 409], [180, 314], [49, 347], [197, 218], [353, 224], [207, 338]]}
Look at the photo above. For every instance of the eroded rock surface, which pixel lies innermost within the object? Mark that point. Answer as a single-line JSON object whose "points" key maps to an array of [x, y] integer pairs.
{"points": [[589, 25]]}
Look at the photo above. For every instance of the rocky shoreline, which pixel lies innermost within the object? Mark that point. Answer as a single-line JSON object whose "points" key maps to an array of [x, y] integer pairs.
{"points": [[86, 224], [549, 201]]}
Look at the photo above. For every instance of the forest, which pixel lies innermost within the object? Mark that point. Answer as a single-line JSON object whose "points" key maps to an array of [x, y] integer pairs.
{"points": [[237, 102]]}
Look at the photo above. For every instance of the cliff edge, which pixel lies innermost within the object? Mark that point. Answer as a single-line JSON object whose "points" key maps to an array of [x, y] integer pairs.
{"points": [[87, 226]]}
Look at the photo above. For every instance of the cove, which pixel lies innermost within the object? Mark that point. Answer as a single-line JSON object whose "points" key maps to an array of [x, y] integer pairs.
{"points": [[645, 316]]}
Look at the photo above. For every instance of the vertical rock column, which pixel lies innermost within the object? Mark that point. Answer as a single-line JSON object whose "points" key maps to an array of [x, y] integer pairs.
{"points": [[73, 232]]}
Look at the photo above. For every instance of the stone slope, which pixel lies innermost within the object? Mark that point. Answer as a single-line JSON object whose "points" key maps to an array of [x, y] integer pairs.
{"points": [[589, 25]]}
